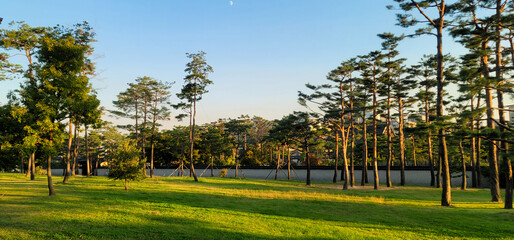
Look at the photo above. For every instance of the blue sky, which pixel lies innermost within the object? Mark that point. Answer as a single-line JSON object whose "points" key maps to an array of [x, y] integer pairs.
{"points": [[262, 51]]}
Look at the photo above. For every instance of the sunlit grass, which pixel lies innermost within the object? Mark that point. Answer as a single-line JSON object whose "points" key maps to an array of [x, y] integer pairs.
{"points": [[224, 208]]}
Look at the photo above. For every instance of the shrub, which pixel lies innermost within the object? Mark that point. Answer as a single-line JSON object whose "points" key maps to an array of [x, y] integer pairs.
{"points": [[223, 172], [126, 164]]}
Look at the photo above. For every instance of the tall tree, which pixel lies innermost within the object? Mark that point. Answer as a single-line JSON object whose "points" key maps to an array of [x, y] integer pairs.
{"points": [[425, 71], [437, 22], [25, 39], [392, 70], [475, 33], [159, 94], [370, 71], [195, 85], [238, 130]]}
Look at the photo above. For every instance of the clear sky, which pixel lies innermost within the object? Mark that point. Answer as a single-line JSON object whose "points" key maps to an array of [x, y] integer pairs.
{"points": [[262, 51]]}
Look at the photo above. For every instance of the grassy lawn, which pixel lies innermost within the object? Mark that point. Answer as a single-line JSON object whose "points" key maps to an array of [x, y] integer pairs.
{"points": [[214, 208]]}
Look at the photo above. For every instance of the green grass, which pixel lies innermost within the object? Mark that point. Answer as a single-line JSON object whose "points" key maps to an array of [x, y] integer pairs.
{"points": [[214, 208]]}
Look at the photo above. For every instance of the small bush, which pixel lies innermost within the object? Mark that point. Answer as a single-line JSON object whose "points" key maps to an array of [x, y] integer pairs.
{"points": [[223, 172], [40, 171], [126, 164]]}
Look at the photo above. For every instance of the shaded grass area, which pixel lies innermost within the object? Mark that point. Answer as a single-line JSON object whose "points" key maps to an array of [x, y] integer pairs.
{"points": [[224, 208]]}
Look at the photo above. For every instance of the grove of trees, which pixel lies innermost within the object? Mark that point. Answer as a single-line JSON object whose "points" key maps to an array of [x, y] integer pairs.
{"points": [[444, 112]]}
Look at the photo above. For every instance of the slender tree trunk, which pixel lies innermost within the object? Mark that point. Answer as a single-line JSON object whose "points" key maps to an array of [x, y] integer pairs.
{"points": [[212, 166], [479, 148], [352, 145], [491, 156], [364, 149], [152, 140], [51, 189], [414, 150], [462, 159], [68, 153], [504, 147], [446, 197], [143, 128], [75, 151], [334, 179], [472, 150], [345, 163], [402, 141], [88, 161], [389, 141], [33, 168], [288, 163], [278, 162], [192, 167], [508, 185], [308, 162], [137, 118], [29, 166], [375, 153], [352, 159], [237, 159], [429, 141]]}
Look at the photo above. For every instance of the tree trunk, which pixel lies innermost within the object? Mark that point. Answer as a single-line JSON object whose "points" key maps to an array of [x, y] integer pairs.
{"points": [[464, 183], [29, 166], [237, 159], [389, 142], [308, 162], [33, 168], [88, 162], [68, 153], [51, 189], [509, 183], [75, 151], [472, 150], [491, 155], [288, 163], [364, 149], [352, 148], [192, 167], [143, 128], [402, 141], [429, 142], [345, 166], [446, 197], [414, 150], [278, 161], [478, 148], [499, 77], [375, 153], [334, 179]]}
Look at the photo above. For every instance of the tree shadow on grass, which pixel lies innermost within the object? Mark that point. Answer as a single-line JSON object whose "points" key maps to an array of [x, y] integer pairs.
{"points": [[438, 220], [368, 216]]}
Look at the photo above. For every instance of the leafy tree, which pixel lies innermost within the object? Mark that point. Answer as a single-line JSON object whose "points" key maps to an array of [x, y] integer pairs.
{"points": [[126, 164], [238, 130], [213, 143], [303, 131], [26, 40]]}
